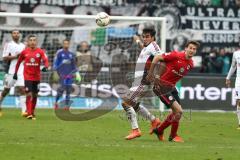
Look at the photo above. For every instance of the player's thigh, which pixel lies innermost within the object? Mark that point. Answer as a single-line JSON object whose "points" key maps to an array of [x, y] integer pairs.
{"points": [[237, 95], [169, 98], [8, 78], [20, 81], [31, 86]]}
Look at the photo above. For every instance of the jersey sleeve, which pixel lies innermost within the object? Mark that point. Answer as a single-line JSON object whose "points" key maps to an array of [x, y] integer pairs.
{"points": [[154, 49], [45, 59], [57, 61], [19, 61], [6, 50], [170, 56]]}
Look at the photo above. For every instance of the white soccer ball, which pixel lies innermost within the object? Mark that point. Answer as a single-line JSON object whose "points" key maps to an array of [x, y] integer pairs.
{"points": [[102, 19]]}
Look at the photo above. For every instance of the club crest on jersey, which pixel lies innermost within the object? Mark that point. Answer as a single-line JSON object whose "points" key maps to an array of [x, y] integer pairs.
{"points": [[170, 98], [32, 60], [188, 67], [181, 70], [38, 55]]}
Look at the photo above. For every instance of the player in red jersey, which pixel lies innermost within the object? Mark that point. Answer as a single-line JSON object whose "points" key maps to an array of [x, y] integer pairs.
{"points": [[32, 57], [178, 65]]}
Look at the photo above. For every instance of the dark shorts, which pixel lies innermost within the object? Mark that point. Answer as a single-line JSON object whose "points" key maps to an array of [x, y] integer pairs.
{"points": [[31, 86], [169, 97]]}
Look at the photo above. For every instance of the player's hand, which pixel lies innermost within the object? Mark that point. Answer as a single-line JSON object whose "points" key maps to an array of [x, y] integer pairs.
{"points": [[228, 82], [78, 77], [150, 77], [136, 38], [44, 69], [15, 76]]}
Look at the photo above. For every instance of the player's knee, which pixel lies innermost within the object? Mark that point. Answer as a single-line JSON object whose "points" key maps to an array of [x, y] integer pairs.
{"points": [[125, 105], [136, 107], [238, 103]]}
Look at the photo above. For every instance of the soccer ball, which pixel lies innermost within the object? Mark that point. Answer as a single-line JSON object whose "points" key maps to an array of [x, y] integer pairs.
{"points": [[102, 19]]}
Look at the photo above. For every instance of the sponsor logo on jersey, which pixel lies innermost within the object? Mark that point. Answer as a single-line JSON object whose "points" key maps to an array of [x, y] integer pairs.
{"points": [[32, 60], [177, 73], [188, 67], [181, 70]]}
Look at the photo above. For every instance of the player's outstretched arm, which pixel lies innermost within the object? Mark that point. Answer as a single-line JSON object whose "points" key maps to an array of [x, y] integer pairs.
{"points": [[231, 71], [45, 60], [156, 59], [20, 59], [137, 39]]}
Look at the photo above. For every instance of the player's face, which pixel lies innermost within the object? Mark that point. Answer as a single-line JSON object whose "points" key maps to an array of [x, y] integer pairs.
{"points": [[191, 50], [32, 42], [147, 39], [15, 35], [66, 44]]}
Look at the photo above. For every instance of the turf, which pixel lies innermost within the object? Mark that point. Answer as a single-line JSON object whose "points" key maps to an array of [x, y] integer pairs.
{"points": [[208, 136]]}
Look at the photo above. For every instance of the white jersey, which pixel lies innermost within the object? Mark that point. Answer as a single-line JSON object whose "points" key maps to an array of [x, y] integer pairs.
{"points": [[151, 49], [12, 48]]}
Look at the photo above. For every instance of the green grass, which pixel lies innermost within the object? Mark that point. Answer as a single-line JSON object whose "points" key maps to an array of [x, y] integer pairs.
{"points": [[208, 136]]}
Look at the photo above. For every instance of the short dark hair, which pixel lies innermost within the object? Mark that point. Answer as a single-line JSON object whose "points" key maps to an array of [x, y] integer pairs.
{"points": [[14, 30], [32, 36], [151, 31], [197, 44], [68, 40]]}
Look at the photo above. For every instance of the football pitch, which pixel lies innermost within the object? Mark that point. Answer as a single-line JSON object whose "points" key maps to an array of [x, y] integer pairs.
{"points": [[208, 136]]}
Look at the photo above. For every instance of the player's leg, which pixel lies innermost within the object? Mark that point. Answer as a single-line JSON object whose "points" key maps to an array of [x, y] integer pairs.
{"points": [[60, 91], [22, 100], [34, 96], [177, 114], [132, 117], [32, 88], [21, 92], [238, 113], [129, 101], [169, 100], [68, 89], [144, 112], [7, 85]]}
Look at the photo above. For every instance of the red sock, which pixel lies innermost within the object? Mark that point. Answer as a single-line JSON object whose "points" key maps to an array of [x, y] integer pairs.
{"points": [[175, 125], [29, 105], [167, 122], [33, 104]]}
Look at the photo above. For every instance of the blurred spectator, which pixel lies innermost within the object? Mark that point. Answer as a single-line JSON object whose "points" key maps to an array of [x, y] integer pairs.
{"points": [[88, 64], [84, 57], [178, 43], [226, 61], [203, 2], [237, 2], [212, 63]]}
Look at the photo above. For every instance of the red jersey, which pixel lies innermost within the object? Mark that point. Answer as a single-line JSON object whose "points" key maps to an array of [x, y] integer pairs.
{"points": [[32, 61], [177, 65]]}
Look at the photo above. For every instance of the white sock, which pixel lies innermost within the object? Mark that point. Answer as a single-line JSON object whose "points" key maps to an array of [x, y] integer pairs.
{"points": [[22, 103], [238, 114], [145, 113], [132, 117]]}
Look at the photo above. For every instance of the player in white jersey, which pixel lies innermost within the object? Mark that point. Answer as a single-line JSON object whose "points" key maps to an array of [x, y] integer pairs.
{"points": [[235, 65], [11, 52], [131, 102]]}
